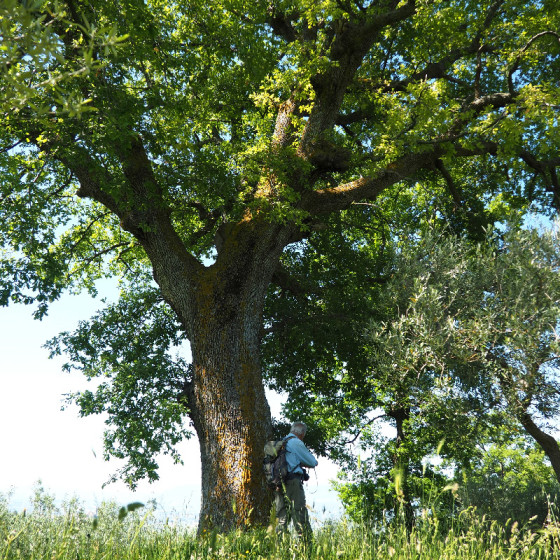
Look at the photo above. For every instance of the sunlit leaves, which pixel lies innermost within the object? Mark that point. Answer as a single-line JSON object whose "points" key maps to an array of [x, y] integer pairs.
{"points": [[35, 63]]}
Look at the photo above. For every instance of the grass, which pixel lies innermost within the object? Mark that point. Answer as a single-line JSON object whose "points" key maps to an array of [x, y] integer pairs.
{"points": [[133, 533]]}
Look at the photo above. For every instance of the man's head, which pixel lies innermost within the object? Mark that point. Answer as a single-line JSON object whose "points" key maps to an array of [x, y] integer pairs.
{"points": [[299, 429]]}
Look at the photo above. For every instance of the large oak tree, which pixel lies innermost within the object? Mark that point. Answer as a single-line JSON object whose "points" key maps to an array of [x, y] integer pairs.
{"points": [[217, 135]]}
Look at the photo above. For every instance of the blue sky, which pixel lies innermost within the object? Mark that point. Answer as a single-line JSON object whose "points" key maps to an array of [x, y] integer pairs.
{"points": [[41, 442]]}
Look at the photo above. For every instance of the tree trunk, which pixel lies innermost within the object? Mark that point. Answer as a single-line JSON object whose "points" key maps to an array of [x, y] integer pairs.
{"points": [[232, 420], [226, 397], [402, 465], [547, 443]]}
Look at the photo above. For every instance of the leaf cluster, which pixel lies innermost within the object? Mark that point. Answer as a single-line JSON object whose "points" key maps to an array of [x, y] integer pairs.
{"points": [[126, 351]]}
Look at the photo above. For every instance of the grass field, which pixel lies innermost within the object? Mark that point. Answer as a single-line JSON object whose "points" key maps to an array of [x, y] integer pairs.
{"points": [[134, 533]]}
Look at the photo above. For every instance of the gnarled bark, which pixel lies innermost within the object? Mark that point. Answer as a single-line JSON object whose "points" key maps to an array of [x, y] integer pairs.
{"points": [[232, 420], [227, 402]]}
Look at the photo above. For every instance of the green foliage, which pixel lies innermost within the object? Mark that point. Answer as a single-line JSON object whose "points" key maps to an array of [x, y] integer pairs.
{"points": [[477, 333], [142, 137], [140, 384], [461, 342], [374, 489], [34, 64], [509, 481], [482, 319], [202, 87]]}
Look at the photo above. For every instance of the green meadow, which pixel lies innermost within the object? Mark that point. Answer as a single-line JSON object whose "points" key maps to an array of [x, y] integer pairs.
{"points": [[134, 532]]}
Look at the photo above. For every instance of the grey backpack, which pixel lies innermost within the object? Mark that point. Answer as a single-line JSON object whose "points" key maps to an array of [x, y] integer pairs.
{"points": [[274, 463]]}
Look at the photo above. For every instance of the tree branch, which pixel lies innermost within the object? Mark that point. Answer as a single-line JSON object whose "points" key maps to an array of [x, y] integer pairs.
{"points": [[351, 43], [105, 251], [90, 175], [432, 70], [362, 428], [281, 23], [340, 197], [282, 137], [453, 189], [287, 282], [547, 170], [548, 443], [515, 65], [11, 147], [140, 206], [325, 201], [87, 229]]}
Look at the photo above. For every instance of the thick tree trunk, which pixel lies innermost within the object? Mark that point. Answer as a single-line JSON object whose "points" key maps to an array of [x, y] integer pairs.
{"points": [[232, 420], [220, 308], [223, 318]]}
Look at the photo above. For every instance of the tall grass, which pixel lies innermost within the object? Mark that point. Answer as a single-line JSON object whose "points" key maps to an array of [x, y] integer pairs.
{"points": [[132, 533]]}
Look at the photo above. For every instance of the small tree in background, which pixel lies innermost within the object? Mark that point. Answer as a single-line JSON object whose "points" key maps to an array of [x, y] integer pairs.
{"points": [[470, 356], [509, 479]]}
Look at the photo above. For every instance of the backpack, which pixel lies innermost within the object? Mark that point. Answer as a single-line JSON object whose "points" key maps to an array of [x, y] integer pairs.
{"points": [[274, 464]]}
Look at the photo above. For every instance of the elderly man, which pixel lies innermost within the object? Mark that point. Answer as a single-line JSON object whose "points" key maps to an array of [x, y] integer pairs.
{"points": [[290, 499]]}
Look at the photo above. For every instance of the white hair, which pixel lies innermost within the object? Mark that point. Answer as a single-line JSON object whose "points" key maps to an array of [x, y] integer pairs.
{"points": [[299, 429]]}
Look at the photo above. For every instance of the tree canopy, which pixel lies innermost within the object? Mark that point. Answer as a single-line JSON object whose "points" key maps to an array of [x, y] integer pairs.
{"points": [[203, 144]]}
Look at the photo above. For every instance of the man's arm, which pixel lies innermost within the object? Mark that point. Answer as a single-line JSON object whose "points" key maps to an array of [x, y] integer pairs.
{"points": [[303, 454]]}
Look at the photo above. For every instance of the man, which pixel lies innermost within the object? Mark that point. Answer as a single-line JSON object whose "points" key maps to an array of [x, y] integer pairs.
{"points": [[290, 499]]}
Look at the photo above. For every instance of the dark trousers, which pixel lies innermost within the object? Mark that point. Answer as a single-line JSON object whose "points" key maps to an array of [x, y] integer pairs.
{"points": [[290, 504]]}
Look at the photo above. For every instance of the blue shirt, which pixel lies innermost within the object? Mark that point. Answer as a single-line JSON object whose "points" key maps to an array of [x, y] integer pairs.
{"points": [[298, 455]]}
